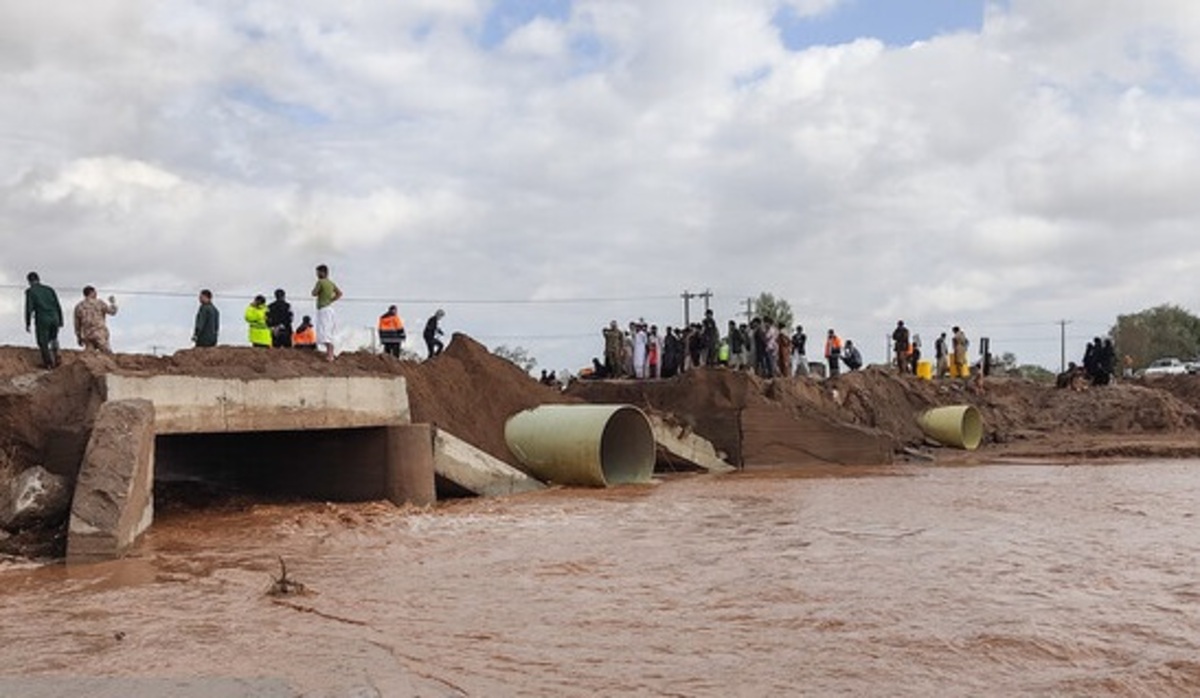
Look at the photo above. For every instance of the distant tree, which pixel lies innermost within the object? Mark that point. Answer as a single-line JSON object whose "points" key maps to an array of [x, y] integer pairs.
{"points": [[1166, 330], [518, 355], [1007, 365], [768, 307], [1034, 372]]}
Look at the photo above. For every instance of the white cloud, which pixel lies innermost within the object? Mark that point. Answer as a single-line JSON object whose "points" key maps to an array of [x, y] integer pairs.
{"points": [[1035, 170]]}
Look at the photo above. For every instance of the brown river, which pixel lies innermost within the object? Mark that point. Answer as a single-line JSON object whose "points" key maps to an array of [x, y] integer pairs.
{"points": [[992, 580]]}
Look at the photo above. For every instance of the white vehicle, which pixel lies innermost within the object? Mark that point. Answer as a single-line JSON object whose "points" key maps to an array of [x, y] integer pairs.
{"points": [[1165, 367]]}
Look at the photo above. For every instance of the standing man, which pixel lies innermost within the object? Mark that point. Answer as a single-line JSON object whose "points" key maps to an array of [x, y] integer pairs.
{"points": [[90, 328], [433, 345], [256, 318], [327, 293], [208, 321], [640, 345], [833, 352], [799, 340], [712, 338], [612, 350], [959, 344], [900, 346], [391, 331], [41, 305], [279, 319], [939, 351]]}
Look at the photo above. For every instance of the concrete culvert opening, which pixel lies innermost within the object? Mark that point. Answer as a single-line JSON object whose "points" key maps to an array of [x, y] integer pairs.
{"points": [[207, 470]]}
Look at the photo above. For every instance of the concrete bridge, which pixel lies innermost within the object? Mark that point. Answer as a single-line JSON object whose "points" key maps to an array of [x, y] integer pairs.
{"points": [[329, 438]]}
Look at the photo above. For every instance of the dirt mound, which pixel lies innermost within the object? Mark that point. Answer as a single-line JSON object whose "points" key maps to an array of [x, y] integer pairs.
{"points": [[471, 393], [1013, 409]]}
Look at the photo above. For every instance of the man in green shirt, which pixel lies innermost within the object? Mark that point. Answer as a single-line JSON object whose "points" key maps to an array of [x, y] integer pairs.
{"points": [[208, 321], [327, 293], [41, 306]]}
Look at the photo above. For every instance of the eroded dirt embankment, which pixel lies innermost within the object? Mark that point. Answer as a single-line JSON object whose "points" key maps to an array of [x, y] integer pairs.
{"points": [[45, 417]]}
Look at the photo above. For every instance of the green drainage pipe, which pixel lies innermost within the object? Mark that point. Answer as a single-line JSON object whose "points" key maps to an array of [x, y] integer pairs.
{"points": [[960, 426], [585, 445]]}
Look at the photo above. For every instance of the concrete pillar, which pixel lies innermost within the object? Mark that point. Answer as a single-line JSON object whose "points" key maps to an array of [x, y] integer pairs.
{"points": [[409, 465], [114, 495]]}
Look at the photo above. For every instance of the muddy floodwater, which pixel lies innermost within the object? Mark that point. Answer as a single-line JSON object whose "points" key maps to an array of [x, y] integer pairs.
{"points": [[987, 580]]}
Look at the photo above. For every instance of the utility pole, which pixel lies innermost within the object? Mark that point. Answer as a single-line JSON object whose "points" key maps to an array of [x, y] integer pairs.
{"points": [[687, 300], [1062, 343], [749, 309], [706, 295]]}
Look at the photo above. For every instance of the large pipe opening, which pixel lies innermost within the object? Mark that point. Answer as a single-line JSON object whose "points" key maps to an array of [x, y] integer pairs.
{"points": [[588, 445], [200, 470]]}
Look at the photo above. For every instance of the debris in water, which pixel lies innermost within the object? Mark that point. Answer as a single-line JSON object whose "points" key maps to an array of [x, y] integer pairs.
{"points": [[283, 586]]}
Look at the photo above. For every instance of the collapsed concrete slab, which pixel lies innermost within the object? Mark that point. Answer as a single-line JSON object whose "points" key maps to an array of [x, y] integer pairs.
{"points": [[772, 436], [682, 444], [114, 494], [192, 404], [476, 471]]}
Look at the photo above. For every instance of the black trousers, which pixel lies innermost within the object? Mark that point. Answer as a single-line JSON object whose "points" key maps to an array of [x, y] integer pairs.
{"points": [[434, 346], [47, 341]]}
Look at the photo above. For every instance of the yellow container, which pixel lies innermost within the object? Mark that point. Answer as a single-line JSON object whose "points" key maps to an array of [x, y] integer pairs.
{"points": [[925, 370]]}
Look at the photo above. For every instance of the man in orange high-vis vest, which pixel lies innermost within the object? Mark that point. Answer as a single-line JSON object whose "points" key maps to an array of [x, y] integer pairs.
{"points": [[305, 336], [833, 352], [391, 331]]}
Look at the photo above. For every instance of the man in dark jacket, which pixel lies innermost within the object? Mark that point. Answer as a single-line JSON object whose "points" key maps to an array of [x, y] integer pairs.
{"points": [[433, 345], [900, 347], [208, 321], [42, 308], [279, 319], [800, 347]]}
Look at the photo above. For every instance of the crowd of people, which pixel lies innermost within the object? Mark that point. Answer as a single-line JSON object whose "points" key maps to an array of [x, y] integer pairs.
{"points": [[1098, 368], [269, 325], [768, 348]]}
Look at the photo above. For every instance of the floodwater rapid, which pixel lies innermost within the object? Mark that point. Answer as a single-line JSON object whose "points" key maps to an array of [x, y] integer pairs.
{"points": [[997, 580]]}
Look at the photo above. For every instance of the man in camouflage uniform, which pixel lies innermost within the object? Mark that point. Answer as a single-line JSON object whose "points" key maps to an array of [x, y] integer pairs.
{"points": [[90, 327]]}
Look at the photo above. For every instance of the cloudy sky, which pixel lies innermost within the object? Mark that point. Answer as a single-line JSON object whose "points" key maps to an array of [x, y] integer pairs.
{"points": [[539, 167]]}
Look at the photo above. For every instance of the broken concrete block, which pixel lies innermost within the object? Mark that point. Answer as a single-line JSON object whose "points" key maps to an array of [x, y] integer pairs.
{"points": [[36, 497], [114, 495], [688, 446], [476, 471]]}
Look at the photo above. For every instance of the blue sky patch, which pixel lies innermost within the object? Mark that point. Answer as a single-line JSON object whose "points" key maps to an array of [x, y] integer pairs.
{"points": [[508, 15], [894, 23]]}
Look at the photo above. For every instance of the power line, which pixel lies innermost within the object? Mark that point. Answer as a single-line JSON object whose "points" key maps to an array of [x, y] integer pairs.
{"points": [[393, 299]]}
